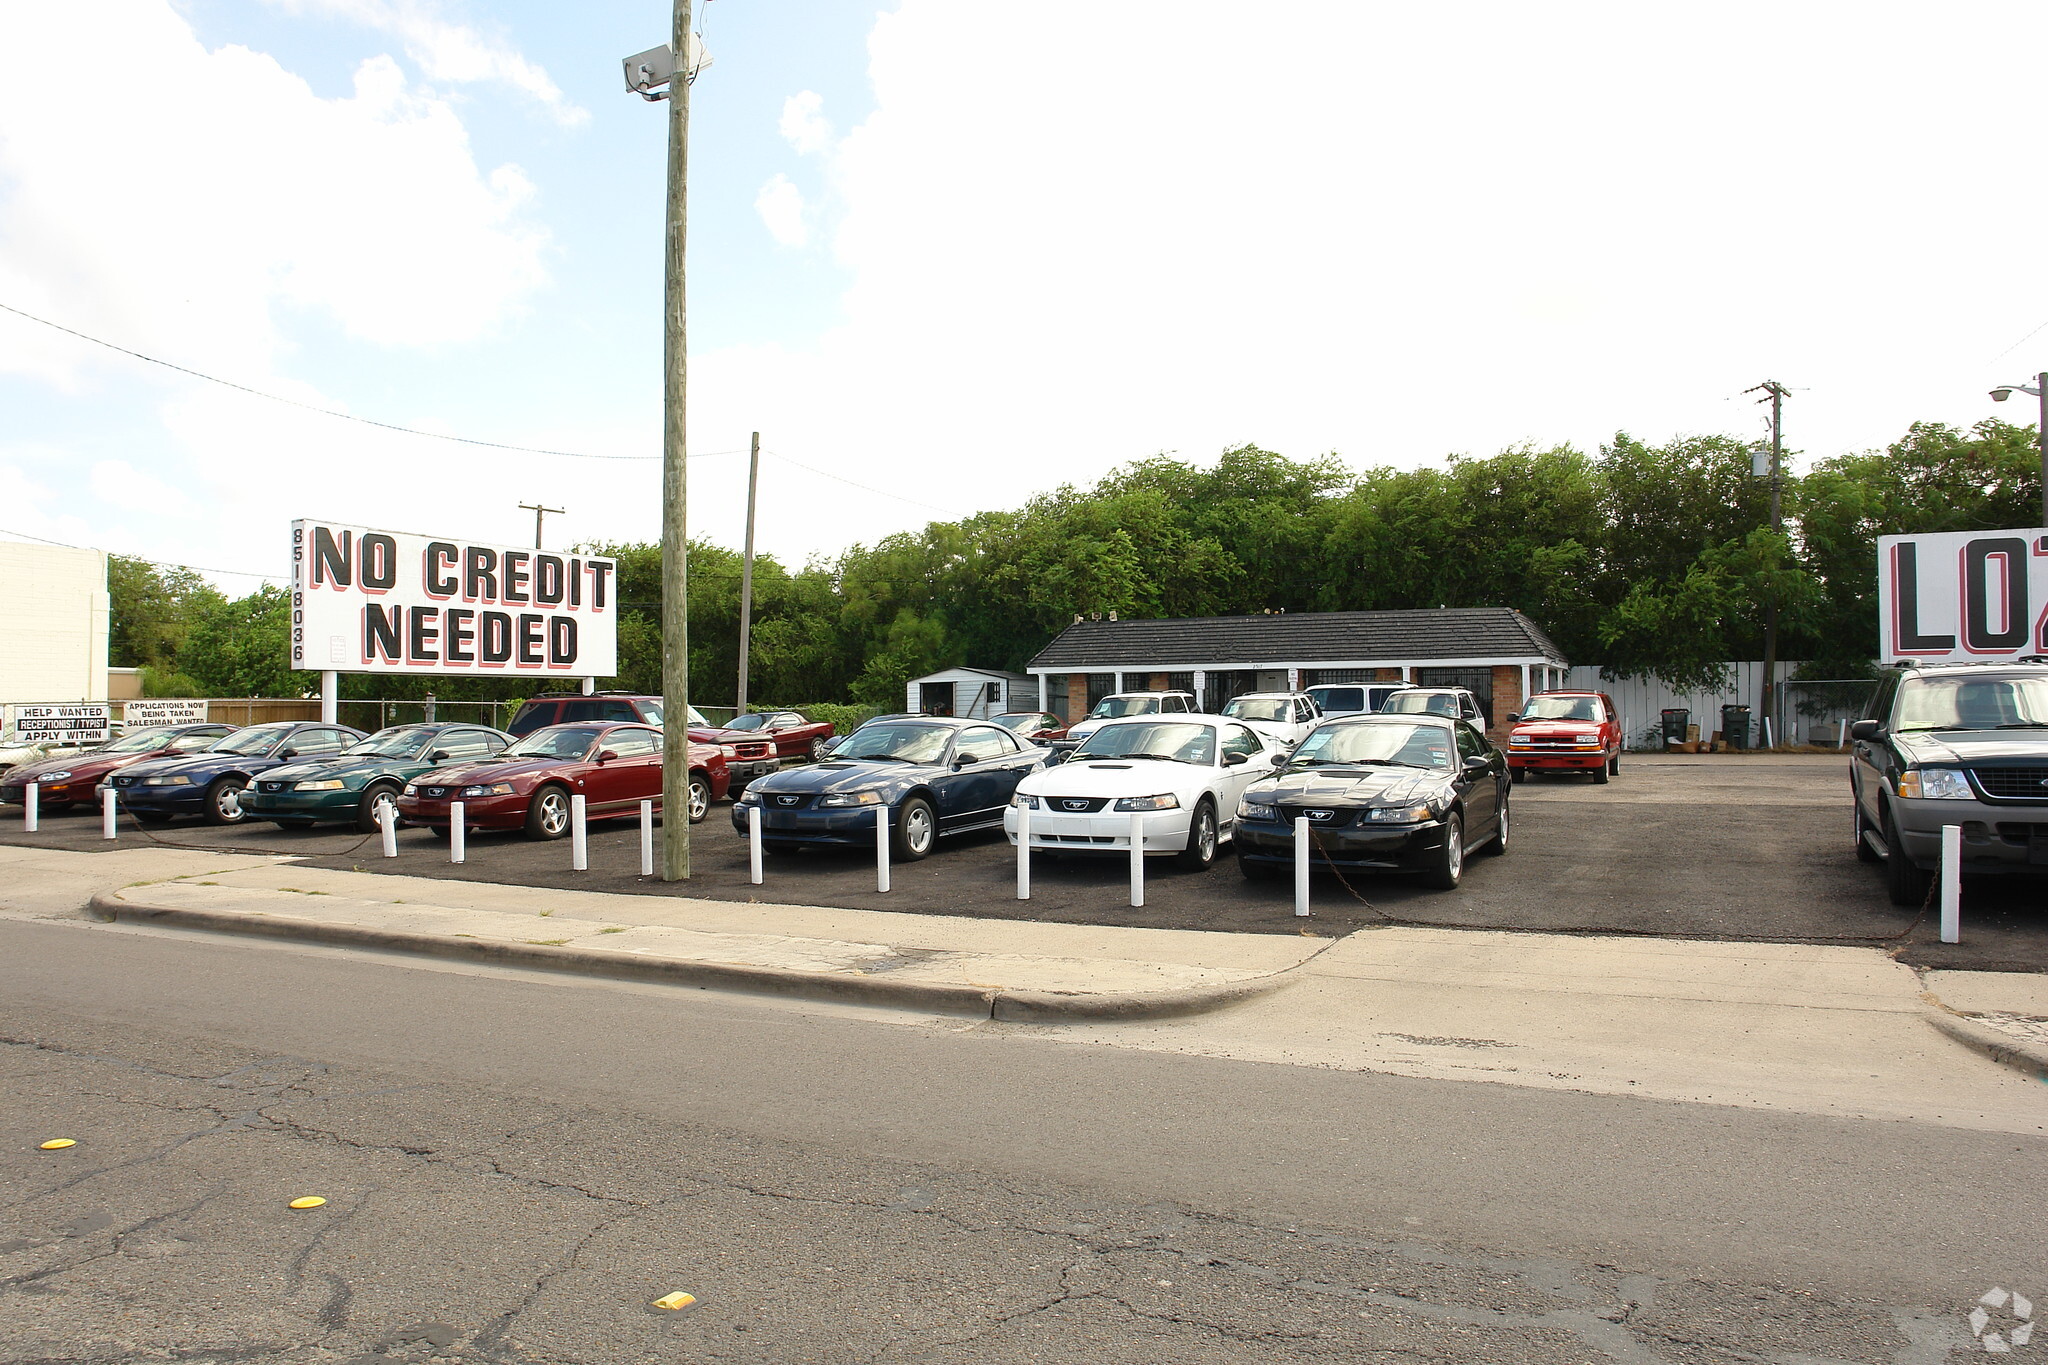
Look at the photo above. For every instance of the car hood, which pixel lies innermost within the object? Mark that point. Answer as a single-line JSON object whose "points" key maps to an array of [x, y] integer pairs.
{"points": [[486, 771], [1977, 748], [1272, 729], [83, 765], [846, 775], [203, 762], [1344, 786], [1116, 777], [361, 765]]}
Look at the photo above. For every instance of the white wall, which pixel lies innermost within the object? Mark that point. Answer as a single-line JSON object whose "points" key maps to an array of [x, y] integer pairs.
{"points": [[1641, 702], [53, 623]]}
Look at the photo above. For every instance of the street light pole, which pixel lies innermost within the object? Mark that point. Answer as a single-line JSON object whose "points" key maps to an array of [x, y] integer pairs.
{"points": [[2039, 389]]}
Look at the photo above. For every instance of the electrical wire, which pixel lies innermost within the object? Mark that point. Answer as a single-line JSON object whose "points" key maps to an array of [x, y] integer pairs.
{"points": [[880, 493], [157, 563]]}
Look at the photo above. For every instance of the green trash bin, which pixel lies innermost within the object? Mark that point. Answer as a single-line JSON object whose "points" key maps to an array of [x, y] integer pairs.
{"points": [[1735, 726]]}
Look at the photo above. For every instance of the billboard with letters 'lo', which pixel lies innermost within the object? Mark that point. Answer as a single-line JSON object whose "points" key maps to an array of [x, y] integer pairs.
{"points": [[1963, 596], [369, 601]]}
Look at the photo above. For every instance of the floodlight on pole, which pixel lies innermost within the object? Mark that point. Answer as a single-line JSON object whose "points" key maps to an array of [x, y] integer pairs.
{"points": [[2037, 389]]}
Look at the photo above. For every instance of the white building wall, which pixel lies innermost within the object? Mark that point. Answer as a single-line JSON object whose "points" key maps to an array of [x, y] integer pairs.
{"points": [[53, 623], [1642, 701]]}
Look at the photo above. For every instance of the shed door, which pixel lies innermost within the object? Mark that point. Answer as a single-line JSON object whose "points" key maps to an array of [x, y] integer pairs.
{"points": [[935, 698]]}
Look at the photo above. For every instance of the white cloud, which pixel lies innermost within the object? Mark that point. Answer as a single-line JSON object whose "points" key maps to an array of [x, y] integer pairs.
{"points": [[452, 52], [781, 206], [805, 128]]}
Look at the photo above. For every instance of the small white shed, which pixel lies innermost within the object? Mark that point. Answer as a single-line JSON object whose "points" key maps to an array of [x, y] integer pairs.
{"points": [[974, 693]]}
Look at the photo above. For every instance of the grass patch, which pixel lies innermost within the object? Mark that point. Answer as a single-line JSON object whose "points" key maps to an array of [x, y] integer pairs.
{"points": [[619, 930], [548, 942]]}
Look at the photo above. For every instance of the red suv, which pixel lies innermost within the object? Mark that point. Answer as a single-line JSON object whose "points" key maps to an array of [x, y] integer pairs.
{"points": [[1571, 732]]}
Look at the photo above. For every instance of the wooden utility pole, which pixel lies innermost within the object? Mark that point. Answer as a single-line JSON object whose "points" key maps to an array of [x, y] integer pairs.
{"points": [[747, 569], [675, 545], [1776, 393], [538, 513]]}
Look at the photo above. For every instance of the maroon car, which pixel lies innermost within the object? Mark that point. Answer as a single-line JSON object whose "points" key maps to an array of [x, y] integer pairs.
{"points": [[747, 755], [792, 735], [528, 785], [68, 781], [1032, 726]]}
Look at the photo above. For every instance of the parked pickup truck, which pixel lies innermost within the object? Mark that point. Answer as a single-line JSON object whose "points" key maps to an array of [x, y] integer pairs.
{"points": [[792, 735]]}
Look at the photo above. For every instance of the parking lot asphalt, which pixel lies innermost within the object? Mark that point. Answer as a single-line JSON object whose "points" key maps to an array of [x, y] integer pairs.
{"points": [[1678, 846]]}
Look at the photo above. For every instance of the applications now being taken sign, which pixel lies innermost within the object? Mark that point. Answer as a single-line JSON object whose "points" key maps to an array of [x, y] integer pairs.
{"points": [[1976, 596], [366, 601]]}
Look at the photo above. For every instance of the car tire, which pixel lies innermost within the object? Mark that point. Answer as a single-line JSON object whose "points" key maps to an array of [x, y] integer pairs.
{"points": [[1521, 776], [820, 747], [1498, 844], [700, 798], [223, 801], [1614, 765], [152, 817], [381, 794], [547, 815], [1600, 776], [1259, 872], [1449, 868], [1202, 838], [916, 829], [1864, 852], [1903, 882]]}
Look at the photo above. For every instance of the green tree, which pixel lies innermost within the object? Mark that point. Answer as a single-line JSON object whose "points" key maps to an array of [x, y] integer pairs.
{"points": [[151, 610], [242, 648]]}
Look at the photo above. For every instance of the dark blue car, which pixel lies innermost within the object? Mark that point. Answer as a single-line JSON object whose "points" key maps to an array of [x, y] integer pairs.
{"points": [[931, 776], [209, 783]]}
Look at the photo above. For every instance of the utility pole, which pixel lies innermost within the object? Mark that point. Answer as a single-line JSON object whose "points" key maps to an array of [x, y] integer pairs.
{"points": [[747, 569], [675, 544], [538, 513], [1775, 392]]}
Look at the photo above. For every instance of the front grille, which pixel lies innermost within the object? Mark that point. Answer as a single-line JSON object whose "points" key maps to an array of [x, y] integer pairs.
{"points": [[1073, 838], [756, 750], [786, 801], [1323, 817], [436, 791], [2022, 834], [1074, 805], [2012, 784]]}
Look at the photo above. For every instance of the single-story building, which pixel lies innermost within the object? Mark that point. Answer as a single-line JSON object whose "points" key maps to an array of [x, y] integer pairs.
{"points": [[972, 693], [1497, 652], [54, 617]]}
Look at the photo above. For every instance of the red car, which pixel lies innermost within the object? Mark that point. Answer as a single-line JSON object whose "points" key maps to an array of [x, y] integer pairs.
{"points": [[792, 735], [747, 756], [1570, 732], [528, 786], [66, 781], [1033, 727]]}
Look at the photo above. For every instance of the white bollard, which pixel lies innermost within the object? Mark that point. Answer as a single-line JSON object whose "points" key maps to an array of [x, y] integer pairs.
{"points": [[1023, 853], [1951, 883], [579, 842], [647, 838], [387, 818], [458, 835], [32, 807], [754, 844], [881, 848], [107, 814], [1137, 858], [1301, 864]]}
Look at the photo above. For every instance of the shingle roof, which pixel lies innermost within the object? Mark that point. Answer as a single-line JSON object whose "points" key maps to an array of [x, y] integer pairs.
{"points": [[1326, 636]]}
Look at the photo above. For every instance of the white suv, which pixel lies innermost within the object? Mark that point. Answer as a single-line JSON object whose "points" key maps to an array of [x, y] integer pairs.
{"points": [[1121, 704], [1284, 718]]}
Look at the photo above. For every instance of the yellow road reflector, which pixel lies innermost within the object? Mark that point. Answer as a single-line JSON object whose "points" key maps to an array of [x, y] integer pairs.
{"points": [[58, 1144], [311, 1201], [677, 1300]]}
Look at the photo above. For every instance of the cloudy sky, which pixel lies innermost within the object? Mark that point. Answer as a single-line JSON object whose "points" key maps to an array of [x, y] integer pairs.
{"points": [[957, 260]]}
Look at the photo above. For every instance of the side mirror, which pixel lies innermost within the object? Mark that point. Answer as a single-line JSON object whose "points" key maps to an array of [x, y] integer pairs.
{"points": [[1475, 763], [1236, 760], [1055, 758], [1865, 729], [606, 755], [1514, 716], [288, 753], [438, 756]]}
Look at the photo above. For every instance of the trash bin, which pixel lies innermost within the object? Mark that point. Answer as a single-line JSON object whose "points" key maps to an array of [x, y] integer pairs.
{"points": [[1676, 722], [1735, 726]]}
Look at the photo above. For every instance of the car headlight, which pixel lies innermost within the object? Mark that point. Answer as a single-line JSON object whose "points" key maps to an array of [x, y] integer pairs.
{"points": [[1938, 784], [850, 799], [1399, 815], [728, 751], [1166, 801], [1026, 800], [1255, 810], [53, 777], [325, 784], [179, 781], [1518, 739], [411, 789], [1588, 740], [494, 789], [749, 797]]}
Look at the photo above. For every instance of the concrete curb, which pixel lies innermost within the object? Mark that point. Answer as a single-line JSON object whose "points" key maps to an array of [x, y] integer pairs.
{"points": [[973, 1001], [2026, 1057]]}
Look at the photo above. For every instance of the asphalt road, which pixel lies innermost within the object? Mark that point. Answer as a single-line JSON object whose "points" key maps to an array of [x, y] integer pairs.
{"points": [[1701, 847], [516, 1166]]}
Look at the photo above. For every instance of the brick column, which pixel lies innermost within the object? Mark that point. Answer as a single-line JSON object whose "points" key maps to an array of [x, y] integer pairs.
{"points": [[1507, 696], [1077, 698]]}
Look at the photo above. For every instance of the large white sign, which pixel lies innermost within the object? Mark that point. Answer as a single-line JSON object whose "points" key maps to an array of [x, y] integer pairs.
{"points": [[84, 723], [1963, 595], [141, 715], [366, 601]]}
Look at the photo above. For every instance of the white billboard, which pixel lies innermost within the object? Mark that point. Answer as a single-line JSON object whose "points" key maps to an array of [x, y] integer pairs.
{"points": [[1963, 596], [83, 723], [141, 715], [368, 601]]}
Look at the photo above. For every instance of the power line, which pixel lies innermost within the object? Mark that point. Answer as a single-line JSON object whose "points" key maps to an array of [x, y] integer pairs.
{"points": [[840, 478], [335, 412], [156, 563]]}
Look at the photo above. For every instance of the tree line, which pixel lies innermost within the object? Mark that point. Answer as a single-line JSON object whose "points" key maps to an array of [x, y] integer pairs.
{"points": [[1652, 560]]}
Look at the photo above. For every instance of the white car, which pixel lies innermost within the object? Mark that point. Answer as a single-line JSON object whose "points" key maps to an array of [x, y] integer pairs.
{"points": [[1284, 718], [1182, 775], [1120, 704]]}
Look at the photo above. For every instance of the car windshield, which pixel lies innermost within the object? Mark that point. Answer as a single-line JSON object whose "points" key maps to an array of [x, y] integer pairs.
{"points": [[141, 742], [1110, 707], [255, 739], [1562, 708], [756, 721], [1339, 698], [400, 741], [2018, 702], [1029, 720], [1179, 740], [1419, 745], [1421, 704], [1260, 708], [905, 743], [554, 742]]}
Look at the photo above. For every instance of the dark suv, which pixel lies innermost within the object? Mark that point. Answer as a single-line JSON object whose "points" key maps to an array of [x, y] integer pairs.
{"points": [[1962, 744]]}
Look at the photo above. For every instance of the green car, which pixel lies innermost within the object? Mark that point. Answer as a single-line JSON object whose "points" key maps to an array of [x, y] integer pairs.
{"points": [[353, 785]]}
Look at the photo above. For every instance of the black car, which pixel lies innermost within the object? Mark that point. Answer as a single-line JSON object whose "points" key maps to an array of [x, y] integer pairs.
{"points": [[1958, 744], [1408, 793], [931, 776]]}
